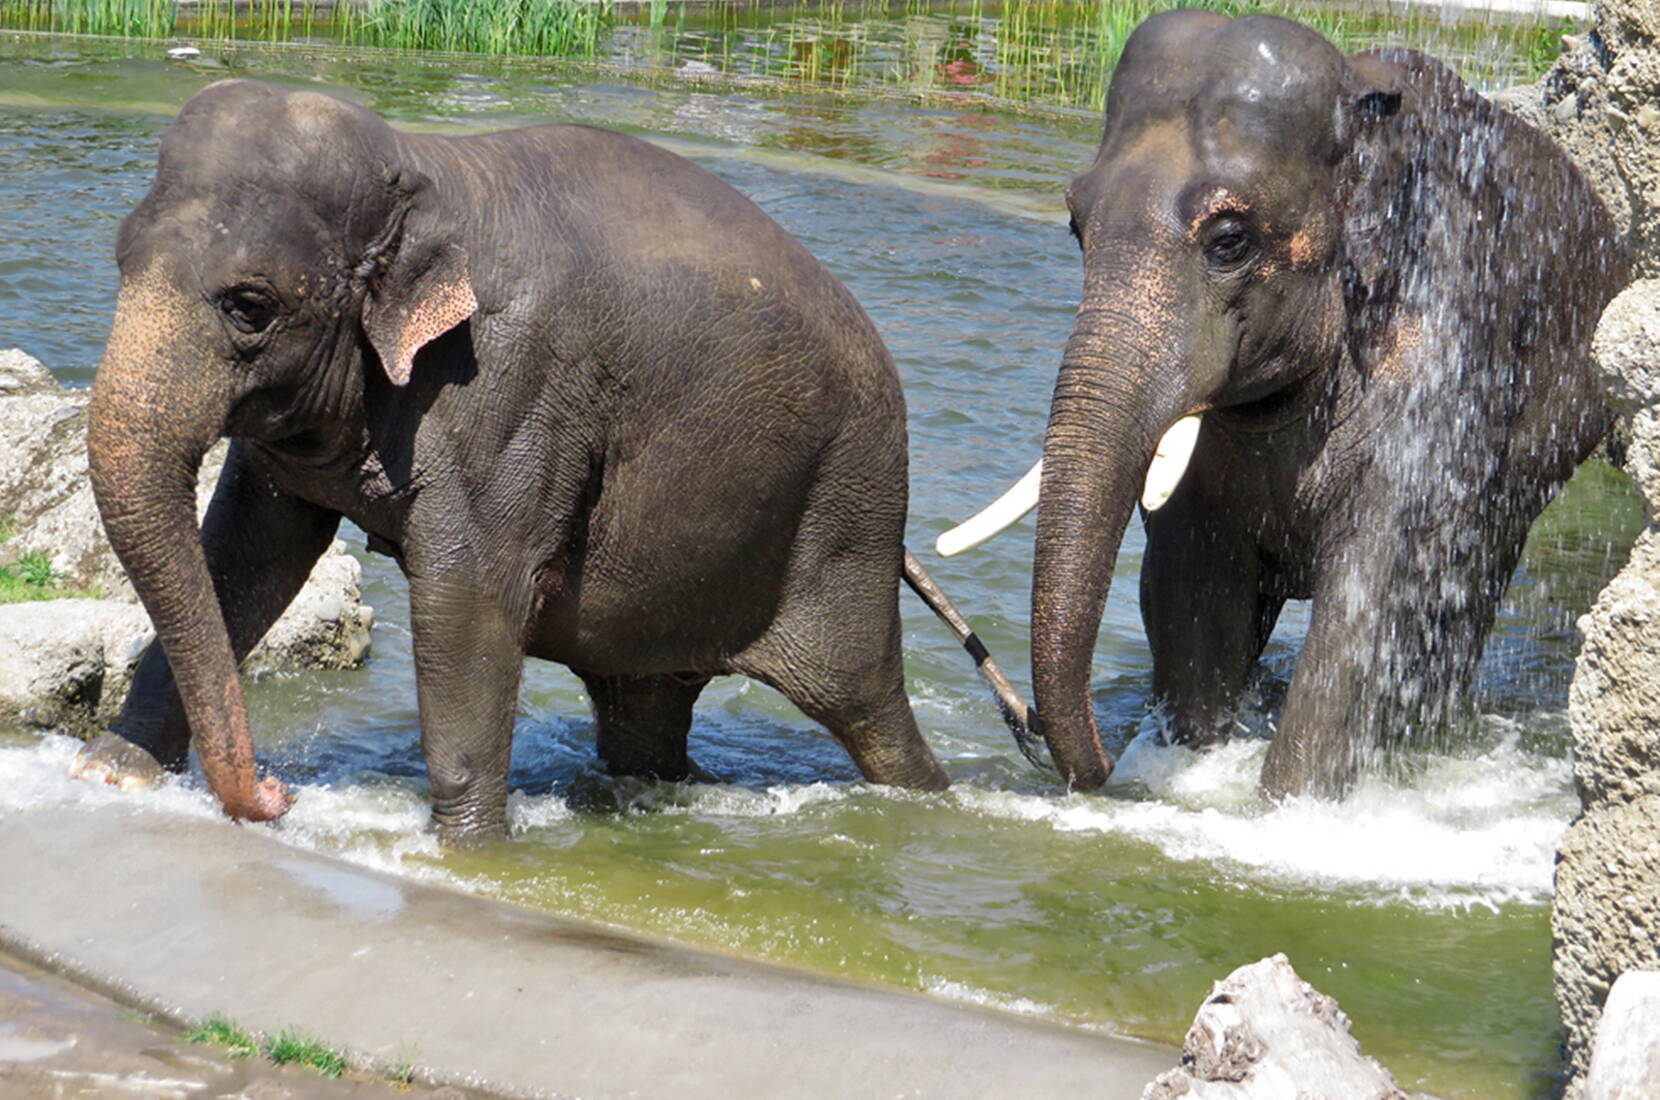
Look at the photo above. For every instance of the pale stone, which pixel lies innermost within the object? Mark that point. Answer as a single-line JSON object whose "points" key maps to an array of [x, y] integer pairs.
{"points": [[1265, 1034], [1626, 1061], [46, 496], [66, 663]]}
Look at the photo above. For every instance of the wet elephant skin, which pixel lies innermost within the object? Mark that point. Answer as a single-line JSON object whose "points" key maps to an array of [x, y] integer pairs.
{"points": [[601, 408], [1380, 291]]}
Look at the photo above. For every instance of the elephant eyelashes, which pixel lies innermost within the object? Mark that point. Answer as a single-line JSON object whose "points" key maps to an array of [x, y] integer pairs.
{"points": [[1228, 243], [249, 311]]}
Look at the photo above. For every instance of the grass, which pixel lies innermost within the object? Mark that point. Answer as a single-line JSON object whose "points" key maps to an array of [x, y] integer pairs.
{"points": [[1028, 53], [1053, 53], [30, 577], [401, 1075], [217, 1031], [542, 28], [301, 1049], [290, 1047]]}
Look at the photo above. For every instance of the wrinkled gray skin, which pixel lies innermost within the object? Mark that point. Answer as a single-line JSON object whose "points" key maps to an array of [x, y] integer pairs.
{"points": [[600, 408], [1381, 292]]}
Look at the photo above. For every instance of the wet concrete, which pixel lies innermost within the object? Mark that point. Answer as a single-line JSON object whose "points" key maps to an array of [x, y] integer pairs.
{"points": [[184, 918], [59, 1040]]}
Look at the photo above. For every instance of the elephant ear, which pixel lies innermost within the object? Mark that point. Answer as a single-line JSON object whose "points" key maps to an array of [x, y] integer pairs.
{"points": [[423, 293], [1373, 90]]}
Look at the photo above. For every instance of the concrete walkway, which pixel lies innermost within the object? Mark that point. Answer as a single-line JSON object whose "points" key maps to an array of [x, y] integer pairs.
{"points": [[184, 918], [59, 1040]]}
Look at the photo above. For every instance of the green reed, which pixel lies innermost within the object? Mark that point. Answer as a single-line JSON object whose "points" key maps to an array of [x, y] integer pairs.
{"points": [[546, 28], [1051, 53], [257, 20], [121, 18], [251, 20]]}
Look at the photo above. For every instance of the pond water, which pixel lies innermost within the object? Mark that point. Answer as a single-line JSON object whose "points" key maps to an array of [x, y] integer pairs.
{"points": [[1421, 902]]}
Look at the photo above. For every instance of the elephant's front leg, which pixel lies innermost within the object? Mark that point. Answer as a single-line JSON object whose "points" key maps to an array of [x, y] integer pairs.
{"points": [[1332, 708], [260, 544], [469, 655], [1206, 617]]}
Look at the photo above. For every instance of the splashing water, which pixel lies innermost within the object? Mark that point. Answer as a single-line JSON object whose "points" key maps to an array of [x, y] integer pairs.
{"points": [[1420, 902]]}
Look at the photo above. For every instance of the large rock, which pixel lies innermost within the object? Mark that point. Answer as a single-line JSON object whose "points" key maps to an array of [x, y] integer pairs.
{"points": [[1601, 101], [1606, 915], [65, 663], [1626, 1063], [1265, 1034]]}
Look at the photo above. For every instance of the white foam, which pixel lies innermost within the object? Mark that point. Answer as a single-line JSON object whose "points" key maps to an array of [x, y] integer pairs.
{"points": [[967, 994], [536, 811], [1480, 831], [37, 774], [1462, 831], [715, 800]]}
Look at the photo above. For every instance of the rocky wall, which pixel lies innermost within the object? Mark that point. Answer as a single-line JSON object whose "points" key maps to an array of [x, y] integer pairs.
{"points": [[65, 664], [1606, 916], [1601, 101]]}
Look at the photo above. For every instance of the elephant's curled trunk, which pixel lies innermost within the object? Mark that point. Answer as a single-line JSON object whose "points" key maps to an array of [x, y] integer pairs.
{"points": [[145, 442], [1104, 426]]}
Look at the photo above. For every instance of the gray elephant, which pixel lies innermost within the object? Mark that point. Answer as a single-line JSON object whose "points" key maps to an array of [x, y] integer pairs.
{"points": [[1354, 300], [600, 408]]}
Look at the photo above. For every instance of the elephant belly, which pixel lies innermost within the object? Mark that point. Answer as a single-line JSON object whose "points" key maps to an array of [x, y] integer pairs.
{"points": [[670, 583]]}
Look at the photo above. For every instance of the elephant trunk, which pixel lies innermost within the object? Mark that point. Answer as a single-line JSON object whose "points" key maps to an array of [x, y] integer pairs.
{"points": [[1111, 406], [149, 426]]}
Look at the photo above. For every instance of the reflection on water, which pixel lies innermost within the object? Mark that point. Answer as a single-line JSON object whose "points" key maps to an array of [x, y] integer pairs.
{"points": [[1421, 902]]}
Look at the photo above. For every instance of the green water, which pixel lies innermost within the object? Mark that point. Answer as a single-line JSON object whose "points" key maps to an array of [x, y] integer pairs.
{"points": [[1421, 903]]}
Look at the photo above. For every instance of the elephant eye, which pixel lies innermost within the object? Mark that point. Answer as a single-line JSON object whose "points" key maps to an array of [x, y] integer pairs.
{"points": [[1229, 243], [249, 310]]}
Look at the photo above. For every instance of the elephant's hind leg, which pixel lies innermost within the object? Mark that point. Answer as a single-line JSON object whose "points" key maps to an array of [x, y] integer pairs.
{"points": [[643, 722], [862, 704]]}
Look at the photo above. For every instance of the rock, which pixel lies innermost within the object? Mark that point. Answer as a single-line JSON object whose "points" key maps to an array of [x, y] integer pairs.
{"points": [[1601, 101], [1626, 1063], [46, 497], [1265, 1034], [1606, 81], [66, 664], [21, 373], [1605, 918]]}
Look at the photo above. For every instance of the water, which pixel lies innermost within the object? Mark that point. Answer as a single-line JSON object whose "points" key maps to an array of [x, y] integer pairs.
{"points": [[1421, 903]]}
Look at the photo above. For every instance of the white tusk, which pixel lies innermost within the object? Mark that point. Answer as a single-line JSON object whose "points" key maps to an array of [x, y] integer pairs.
{"points": [[1169, 463], [1003, 512]]}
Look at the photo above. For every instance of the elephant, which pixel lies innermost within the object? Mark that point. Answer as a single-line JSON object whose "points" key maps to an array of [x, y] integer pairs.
{"points": [[1334, 337], [599, 407]]}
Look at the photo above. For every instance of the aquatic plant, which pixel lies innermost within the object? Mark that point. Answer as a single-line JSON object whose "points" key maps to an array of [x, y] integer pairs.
{"points": [[263, 20], [548, 28], [1020, 52], [121, 18]]}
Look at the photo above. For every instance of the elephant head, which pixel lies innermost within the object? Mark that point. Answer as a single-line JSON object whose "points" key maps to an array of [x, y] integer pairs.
{"points": [[285, 245], [1211, 224]]}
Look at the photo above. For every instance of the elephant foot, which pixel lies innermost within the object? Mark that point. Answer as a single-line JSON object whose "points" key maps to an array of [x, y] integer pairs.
{"points": [[271, 800], [118, 762]]}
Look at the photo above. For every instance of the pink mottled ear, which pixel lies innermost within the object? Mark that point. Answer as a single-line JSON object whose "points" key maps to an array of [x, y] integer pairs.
{"points": [[421, 298]]}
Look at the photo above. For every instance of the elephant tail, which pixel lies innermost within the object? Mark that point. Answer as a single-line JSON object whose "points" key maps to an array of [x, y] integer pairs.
{"points": [[1017, 713]]}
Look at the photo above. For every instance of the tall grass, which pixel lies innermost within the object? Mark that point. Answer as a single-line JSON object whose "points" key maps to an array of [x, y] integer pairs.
{"points": [[261, 20], [1036, 52], [550, 28], [121, 18], [546, 28]]}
